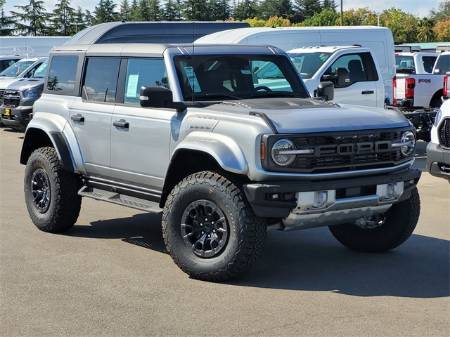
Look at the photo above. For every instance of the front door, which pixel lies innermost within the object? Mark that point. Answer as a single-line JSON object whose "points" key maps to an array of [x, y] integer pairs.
{"points": [[140, 137]]}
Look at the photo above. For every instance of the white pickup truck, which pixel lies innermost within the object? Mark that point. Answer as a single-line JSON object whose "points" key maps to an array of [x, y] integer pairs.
{"points": [[422, 91], [352, 69]]}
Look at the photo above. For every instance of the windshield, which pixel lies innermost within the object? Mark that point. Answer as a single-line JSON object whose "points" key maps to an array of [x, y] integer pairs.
{"points": [[405, 64], [233, 77], [15, 69], [40, 71], [307, 64]]}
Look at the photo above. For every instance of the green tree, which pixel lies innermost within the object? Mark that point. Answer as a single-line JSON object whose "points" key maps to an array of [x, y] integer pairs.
{"points": [[442, 13], [359, 17], [124, 12], [89, 19], [329, 4], [62, 18], [105, 11], [31, 18], [425, 31], [172, 10], [245, 9], [442, 30], [304, 9], [279, 8], [134, 11], [402, 25], [6, 23], [327, 17], [219, 9], [79, 20], [196, 10]]}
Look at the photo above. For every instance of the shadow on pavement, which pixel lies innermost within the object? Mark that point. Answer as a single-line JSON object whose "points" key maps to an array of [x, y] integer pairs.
{"points": [[313, 260]]}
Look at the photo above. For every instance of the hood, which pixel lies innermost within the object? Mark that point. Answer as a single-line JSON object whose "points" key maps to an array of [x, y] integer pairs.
{"points": [[5, 81], [26, 83], [295, 115]]}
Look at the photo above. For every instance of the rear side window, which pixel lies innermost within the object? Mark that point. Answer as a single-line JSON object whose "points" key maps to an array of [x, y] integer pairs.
{"points": [[352, 68], [62, 75], [100, 79], [442, 65], [143, 72], [428, 63]]}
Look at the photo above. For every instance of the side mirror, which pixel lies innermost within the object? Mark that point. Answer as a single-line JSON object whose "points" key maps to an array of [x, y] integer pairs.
{"points": [[326, 90], [328, 78], [159, 97]]}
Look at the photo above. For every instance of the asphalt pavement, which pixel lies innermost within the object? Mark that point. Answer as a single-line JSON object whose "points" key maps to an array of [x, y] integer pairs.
{"points": [[110, 276]]}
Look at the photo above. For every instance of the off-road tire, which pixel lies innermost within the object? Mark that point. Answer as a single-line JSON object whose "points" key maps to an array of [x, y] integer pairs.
{"points": [[401, 220], [65, 203], [246, 237]]}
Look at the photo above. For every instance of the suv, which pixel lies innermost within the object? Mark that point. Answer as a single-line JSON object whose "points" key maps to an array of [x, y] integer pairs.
{"points": [[19, 96], [438, 150], [192, 131]]}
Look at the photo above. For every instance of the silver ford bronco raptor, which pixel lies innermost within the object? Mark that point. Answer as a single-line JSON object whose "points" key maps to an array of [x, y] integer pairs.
{"points": [[199, 133]]}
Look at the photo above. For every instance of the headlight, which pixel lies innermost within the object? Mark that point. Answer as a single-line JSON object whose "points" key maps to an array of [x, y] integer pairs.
{"points": [[32, 93], [438, 117], [408, 143], [280, 152]]}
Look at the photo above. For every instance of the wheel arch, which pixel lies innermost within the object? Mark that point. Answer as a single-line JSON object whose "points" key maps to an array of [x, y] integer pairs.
{"points": [[437, 95]]}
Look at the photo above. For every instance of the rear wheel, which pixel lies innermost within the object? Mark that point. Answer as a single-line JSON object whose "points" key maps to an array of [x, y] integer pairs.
{"points": [[209, 230], [384, 233], [51, 193]]}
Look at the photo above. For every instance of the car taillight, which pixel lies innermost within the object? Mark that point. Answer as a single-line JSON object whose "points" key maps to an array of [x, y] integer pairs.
{"points": [[394, 91], [410, 84], [445, 90]]}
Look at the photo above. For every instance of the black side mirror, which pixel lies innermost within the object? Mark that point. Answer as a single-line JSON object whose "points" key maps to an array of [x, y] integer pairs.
{"points": [[329, 78], [326, 90], [159, 97]]}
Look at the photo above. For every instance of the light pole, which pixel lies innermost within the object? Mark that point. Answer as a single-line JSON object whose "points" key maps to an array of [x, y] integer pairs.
{"points": [[342, 12]]}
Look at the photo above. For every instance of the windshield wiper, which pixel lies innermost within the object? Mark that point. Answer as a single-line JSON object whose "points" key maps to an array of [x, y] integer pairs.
{"points": [[217, 95], [273, 94]]}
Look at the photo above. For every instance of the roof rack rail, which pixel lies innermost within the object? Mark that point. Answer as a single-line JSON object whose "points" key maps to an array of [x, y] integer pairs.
{"points": [[407, 49], [443, 48]]}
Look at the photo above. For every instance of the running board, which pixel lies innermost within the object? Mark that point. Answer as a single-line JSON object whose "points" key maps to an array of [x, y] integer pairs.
{"points": [[119, 199]]}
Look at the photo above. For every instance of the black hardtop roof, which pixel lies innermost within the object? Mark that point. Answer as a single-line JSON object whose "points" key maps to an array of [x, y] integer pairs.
{"points": [[164, 32]]}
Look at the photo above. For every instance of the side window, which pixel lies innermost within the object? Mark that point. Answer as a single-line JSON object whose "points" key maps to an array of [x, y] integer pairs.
{"points": [[100, 79], [62, 75], [143, 72], [442, 65], [352, 68], [428, 63]]}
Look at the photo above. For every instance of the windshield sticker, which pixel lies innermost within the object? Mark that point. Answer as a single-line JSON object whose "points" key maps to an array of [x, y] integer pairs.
{"points": [[132, 85]]}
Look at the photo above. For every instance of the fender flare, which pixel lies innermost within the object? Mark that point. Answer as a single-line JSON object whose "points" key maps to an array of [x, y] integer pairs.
{"points": [[60, 134]]}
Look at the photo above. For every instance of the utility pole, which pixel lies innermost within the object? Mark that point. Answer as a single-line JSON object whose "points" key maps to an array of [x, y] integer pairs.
{"points": [[342, 12]]}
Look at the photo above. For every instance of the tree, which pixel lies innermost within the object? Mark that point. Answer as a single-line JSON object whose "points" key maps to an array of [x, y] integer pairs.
{"points": [[154, 10], [219, 9], [425, 31], [134, 11], [6, 23], [172, 10], [62, 18], [327, 17], [79, 20], [329, 4], [31, 18], [442, 30], [304, 9], [245, 9], [89, 19], [105, 11], [359, 17], [402, 25], [196, 10], [442, 13], [124, 12], [280, 8]]}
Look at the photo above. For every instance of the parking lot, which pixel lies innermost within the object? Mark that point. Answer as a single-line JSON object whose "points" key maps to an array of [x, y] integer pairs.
{"points": [[110, 276]]}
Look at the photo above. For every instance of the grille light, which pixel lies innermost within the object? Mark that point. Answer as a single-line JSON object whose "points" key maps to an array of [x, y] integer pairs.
{"points": [[280, 152]]}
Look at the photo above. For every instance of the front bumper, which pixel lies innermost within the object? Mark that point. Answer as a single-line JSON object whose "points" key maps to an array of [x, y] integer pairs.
{"points": [[18, 118], [438, 161], [278, 199]]}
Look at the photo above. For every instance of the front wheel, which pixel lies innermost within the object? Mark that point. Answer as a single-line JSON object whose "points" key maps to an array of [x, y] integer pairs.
{"points": [[384, 233], [51, 193], [209, 230]]}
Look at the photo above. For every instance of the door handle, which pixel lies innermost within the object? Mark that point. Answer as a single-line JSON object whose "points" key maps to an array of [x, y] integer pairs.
{"points": [[367, 92], [77, 118], [121, 123]]}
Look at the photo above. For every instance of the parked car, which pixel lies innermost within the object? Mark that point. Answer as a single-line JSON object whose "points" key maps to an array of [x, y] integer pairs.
{"points": [[438, 150], [353, 71], [378, 39], [8, 60], [415, 61], [223, 152], [19, 97]]}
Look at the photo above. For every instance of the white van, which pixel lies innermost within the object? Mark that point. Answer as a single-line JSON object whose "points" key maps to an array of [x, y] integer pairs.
{"points": [[378, 39]]}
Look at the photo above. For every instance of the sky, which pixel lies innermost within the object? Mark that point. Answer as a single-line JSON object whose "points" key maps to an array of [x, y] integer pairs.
{"points": [[417, 7]]}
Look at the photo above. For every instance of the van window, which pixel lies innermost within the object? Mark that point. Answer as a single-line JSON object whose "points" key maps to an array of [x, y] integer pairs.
{"points": [[442, 65], [62, 75], [428, 63], [100, 79], [351, 68], [143, 72]]}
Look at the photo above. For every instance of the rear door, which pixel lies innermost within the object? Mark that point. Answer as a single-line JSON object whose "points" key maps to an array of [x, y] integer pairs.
{"points": [[356, 80]]}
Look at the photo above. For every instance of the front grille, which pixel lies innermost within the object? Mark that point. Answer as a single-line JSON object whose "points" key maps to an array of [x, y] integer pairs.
{"points": [[338, 152], [11, 98], [444, 133], [1, 95]]}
